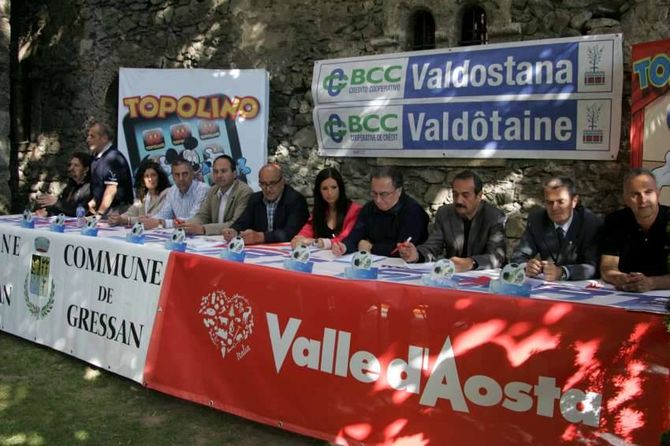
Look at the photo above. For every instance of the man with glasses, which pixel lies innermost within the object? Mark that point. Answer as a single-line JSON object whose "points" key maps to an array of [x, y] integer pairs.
{"points": [[390, 218], [563, 235], [469, 232], [273, 215]]}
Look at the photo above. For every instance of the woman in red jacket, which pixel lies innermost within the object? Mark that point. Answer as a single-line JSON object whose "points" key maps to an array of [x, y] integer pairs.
{"points": [[333, 216]]}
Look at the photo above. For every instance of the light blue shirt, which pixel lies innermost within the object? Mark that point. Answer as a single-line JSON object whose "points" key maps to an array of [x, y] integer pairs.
{"points": [[182, 206]]}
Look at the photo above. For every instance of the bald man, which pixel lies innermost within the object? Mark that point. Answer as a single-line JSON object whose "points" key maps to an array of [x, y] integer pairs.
{"points": [[636, 240], [273, 215]]}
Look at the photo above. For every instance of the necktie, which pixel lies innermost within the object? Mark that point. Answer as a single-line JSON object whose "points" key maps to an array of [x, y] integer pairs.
{"points": [[560, 233]]}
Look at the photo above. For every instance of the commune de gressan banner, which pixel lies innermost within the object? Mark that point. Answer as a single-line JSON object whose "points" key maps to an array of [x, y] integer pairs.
{"points": [[553, 99]]}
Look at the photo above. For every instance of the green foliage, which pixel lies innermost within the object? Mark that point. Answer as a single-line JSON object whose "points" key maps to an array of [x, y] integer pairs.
{"points": [[48, 398]]}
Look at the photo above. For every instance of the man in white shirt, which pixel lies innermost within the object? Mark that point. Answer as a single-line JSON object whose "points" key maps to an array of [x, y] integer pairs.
{"points": [[183, 199]]}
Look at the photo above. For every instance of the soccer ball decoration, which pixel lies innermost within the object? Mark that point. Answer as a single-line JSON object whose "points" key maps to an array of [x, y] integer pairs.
{"points": [[91, 223], [60, 219], [27, 215], [137, 229], [178, 236], [300, 253], [443, 269], [236, 245], [513, 274], [361, 260]]}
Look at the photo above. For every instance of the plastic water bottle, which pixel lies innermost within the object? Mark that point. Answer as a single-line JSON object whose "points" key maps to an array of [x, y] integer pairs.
{"points": [[81, 216]]}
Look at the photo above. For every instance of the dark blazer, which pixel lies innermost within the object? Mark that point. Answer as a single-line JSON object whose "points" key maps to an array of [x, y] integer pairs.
{"points": [[579, 253], [385, 229], [290, 216], [486, 239]]}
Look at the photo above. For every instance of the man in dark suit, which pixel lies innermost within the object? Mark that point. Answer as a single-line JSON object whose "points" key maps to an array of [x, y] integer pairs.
{"points": [[273, 215], [469, 232], [389, 220], [564, 235]]}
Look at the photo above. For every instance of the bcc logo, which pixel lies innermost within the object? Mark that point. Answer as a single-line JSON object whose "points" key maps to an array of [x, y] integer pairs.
{"points": [[337, 80], [336, 128]]}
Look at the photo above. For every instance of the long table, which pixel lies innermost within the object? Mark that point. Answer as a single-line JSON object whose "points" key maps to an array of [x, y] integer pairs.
{"points": [[349, 361]]}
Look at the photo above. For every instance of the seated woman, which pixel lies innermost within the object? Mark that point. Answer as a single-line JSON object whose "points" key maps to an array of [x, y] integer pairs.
{"points": [[77, 191], [152, 185], [334, 215]]}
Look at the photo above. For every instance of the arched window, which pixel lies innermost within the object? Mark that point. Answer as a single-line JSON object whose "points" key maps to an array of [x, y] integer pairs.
{"points": [[473, 27], [422, 26]]}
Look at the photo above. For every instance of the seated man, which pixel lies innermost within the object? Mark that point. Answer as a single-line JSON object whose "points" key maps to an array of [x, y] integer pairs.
{"points": [[469, 232], [183, 198], [224, 202], [273, 215], [76, 193], [564, 235], [635, 244], [392, 217]]}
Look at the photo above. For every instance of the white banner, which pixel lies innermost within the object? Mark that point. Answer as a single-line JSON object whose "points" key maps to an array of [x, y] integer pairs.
{"points": [[197, 113], [555, 98], [88, 297]]}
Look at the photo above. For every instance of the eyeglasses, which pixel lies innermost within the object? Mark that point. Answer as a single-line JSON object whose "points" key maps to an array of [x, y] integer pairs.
{"points": [[266, 184], [382, 195]]}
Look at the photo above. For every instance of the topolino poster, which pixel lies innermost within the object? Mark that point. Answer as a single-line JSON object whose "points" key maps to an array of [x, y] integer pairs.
{"points": [[650, 124], [195, 113]]}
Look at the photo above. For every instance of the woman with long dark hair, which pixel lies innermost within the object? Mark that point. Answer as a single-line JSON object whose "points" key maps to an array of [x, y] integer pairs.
{"points": [[151, 185], [333, 216]]}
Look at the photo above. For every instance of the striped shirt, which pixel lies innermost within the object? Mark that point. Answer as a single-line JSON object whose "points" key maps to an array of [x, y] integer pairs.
{"points": [[182, 206]]}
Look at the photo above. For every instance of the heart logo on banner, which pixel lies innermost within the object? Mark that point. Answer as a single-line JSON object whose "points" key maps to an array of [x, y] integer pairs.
{"points": [[229, 320]]}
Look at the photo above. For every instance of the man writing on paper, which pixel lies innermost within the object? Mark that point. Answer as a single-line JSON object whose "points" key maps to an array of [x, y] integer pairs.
{"points": [[273, 215], [390, 218], [469, 232]]}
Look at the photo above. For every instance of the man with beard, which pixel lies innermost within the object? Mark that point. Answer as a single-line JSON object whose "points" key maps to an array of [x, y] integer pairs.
{"points": [[469, 232]]}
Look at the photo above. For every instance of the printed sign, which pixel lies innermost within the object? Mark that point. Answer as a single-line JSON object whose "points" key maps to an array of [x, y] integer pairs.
{"points": [[198, 114], [650, 125], [557, 98], [88, 297]]}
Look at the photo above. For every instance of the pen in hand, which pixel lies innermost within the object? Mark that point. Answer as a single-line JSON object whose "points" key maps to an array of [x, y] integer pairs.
{"points": [[399, 245]]}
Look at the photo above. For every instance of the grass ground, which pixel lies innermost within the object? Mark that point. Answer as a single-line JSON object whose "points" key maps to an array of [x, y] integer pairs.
{"points": [[48, 398]]}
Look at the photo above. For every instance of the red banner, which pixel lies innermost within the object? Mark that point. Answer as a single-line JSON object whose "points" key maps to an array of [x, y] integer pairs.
{"points": [[381, 363]]}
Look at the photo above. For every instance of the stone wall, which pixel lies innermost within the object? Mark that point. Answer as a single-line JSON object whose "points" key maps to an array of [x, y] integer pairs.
{"points": [[5, 192], [79, 45]]}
